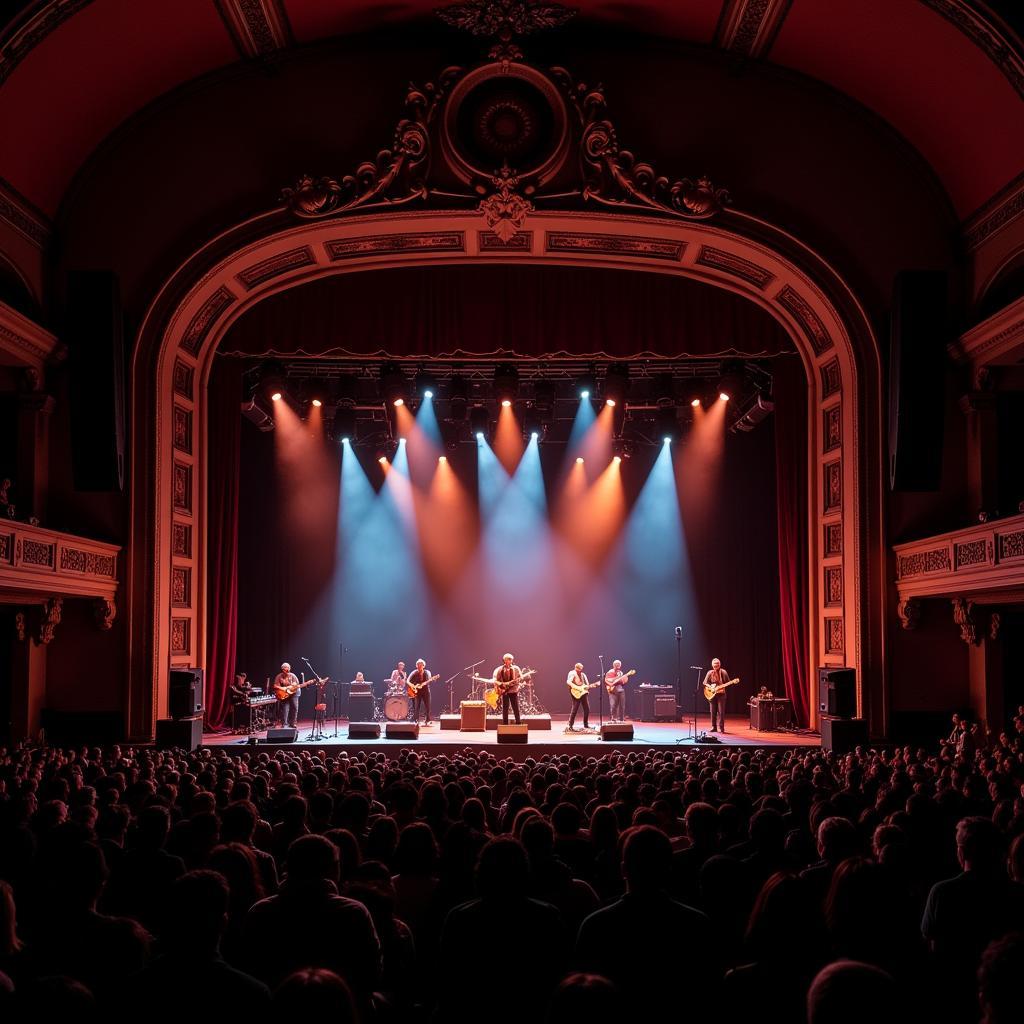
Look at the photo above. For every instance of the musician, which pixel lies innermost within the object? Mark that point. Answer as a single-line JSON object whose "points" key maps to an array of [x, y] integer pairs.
{"points": [[616, 693], [507, 677], [420, 675], [715, 676], [359, 683], [240, 690], [397, 683], [577, 677], [289, 710]]}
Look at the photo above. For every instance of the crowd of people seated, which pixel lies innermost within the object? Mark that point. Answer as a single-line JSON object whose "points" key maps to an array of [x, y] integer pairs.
{"points": [[373, 886]]}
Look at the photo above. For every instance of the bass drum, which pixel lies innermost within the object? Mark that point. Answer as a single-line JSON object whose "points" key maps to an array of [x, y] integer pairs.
{"points": [[396, 708]]}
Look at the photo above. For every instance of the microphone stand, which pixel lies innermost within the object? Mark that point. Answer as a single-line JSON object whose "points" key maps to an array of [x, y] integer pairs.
{"points": [[469, 669], [600, 694], [337, 687], [450, 683], [317, 731], [696, 697]]}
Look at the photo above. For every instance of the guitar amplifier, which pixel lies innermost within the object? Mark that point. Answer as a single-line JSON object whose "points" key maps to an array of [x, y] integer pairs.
{"points": [[649, 697], [360, 707], [474, 716]]}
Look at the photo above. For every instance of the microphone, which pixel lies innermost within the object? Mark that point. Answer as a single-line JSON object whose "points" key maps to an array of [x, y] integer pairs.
{"points": [[679, 630], [698, 668]]}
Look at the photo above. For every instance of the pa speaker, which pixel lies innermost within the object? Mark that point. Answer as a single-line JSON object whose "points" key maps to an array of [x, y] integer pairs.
{"points": [[185, 692], [842, 735], [364, 730], [837, 692], [94, 332], [919, 331], [286, 734], [179, 732], [619, 732], [402, 731], [360, 707], [513, 733]]}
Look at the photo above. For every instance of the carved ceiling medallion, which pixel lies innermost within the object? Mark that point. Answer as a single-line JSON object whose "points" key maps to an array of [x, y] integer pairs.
{"points": [[508, 138]]}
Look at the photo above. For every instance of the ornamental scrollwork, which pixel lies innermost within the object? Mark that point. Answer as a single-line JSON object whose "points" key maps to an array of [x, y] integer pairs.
{"points": [[963, 616], [49, 619]]}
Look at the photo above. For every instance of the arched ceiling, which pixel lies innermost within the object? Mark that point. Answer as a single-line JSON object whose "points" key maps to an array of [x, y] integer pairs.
{"points": [[946, 74]]}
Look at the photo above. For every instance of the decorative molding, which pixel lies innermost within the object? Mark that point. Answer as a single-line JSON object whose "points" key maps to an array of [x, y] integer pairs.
{"points": [[38, 553], [181, 436], [831, 378], [257, 27], [20, 627], [505, 210], [994, 214], [748, 28], [972, 552], [521, 241], [181, 637], [392, 245], [34, 26], [833, 540], [735, 266], [832, 428], [181, 586], [795, 304], [987, 36], [615, 245], [909, 611], [1011, 545], [182, 490], [39, 562], [504, 20], [832, 481], [106, 612], [834, 639], [999, 337], [49, 620], [184, 374], [25, 342], [89, 562], [963, 616], [275, 266], [206, 316], [181, 540], [833, 588], [995, 622], [22, 215]]}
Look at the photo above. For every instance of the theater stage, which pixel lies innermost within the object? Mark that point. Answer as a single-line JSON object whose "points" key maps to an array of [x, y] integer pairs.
{"points": [[544, 736]]}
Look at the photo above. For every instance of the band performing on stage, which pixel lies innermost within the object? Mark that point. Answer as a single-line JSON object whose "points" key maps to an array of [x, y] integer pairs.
{"points": [[408, 695]]}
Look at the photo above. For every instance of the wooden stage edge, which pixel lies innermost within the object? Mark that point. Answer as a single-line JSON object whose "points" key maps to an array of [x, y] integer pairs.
{"points": [[539, 741]]}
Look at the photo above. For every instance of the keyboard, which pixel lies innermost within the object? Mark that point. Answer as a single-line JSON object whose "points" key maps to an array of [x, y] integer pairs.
{"points": [[258, 702]]}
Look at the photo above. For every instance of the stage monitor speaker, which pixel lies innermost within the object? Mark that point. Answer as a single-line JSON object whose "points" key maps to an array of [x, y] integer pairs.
{"points": [[841, 735], [364, 730], [284, 734], [618, 732], [513, 733], [402, 731], [919, 331], [179, 732], [95, 338], [837, 692], [665, 709], [185, 692]]}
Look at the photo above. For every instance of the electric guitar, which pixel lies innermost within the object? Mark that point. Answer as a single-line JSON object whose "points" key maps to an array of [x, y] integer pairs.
{"points": [[493, 691], [289, 691], [412, 689], [712, 690], [612, 683], [579, 689]]}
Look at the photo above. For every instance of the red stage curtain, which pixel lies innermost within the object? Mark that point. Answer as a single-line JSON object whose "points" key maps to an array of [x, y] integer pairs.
{"points": [[224, 399], [790, 392]]}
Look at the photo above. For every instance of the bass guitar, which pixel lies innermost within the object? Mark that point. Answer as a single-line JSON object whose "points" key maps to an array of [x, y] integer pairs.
{"points": [[712, 690], [412, 689], [612, 683]]}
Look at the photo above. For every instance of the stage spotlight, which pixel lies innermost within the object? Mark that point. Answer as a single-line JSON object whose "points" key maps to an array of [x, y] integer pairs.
{"points": [[442, 458], [666, 423], [694, 402], [617, 459], [622, 450], [616, 384], [272, 379], [586, 384], [506, 383], [276, 396], [722, 396], [579, 460], [534, 424], [479, 421], [345, 422], [393, 384], [425, 384], [731, 384], [317, 403]]}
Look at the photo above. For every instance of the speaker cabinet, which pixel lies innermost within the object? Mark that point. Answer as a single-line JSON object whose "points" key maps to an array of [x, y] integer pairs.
{"points": [[402, 731], [284, 734], [179, 732], [842, 735], [185, 692], [837, 692], [94, 332], [919, 331], [513, 733], [474, 716], [620, 732], [665, 709], [649, 697], [364, 730]]}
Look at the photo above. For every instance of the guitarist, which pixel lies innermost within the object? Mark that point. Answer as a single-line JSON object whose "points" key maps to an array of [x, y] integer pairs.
{"points": [[286, 679], [416, 678], [577, 678], [614, 681], [506, 678], [715, 677]]}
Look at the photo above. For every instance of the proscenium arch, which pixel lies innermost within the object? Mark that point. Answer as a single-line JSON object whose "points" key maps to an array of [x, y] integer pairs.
{"points": [[193, 311]]}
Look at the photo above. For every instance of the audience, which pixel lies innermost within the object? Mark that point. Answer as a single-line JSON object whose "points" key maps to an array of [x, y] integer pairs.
{"points": [[372, 886]]}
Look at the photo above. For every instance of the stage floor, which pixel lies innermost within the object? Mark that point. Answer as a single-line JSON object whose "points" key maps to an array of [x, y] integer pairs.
{"points": [[539, 740]]}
